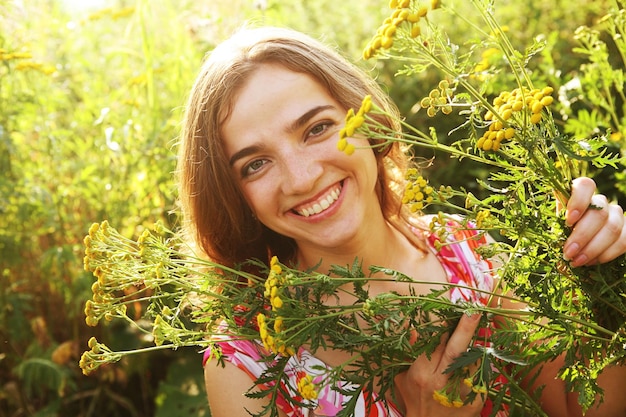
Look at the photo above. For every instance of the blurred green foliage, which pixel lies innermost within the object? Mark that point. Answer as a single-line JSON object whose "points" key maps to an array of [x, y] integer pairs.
{"points": [[90, 105]]}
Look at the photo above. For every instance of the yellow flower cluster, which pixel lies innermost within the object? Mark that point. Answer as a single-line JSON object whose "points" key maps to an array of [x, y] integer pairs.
{"points": [[91, 314], [266, 338], [438, 224], [450, 395], [36, 66], [442, 398], [513, 106], [353, 122], [417, 192], [113, 13], [9, 56], [110, 290], [481, 216], [273, 343], [142, 242], [98, 355], [97, 308], [90, 252], [438, 98], [370, 308], [86, 362], [306, 388], [478, 389], [404, 12], [25, 62], [272, 283]]}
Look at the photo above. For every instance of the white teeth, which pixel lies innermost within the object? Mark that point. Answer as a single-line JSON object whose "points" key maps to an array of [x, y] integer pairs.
{"points": [[321, 205]]}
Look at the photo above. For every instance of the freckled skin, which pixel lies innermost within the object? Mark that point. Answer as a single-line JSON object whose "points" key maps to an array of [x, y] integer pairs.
{"points": [[292, 167]]}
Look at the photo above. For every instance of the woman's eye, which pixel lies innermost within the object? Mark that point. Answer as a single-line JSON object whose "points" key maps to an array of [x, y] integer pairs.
{"points": [[253, 167], [319, 129]]}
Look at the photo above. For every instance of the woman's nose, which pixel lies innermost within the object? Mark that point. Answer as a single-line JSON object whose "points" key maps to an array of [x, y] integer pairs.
{"points": [[301, 173]]}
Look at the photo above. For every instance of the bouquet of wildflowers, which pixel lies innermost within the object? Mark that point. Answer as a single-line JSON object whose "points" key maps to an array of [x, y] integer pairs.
{"points": [[531, 163]]}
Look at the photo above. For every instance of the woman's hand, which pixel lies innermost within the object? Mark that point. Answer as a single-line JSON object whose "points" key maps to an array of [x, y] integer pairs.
{"points": [[415, 387], [599, 228]]}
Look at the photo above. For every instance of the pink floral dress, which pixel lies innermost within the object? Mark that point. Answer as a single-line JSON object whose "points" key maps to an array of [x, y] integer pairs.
{"points": [[462, 265]]}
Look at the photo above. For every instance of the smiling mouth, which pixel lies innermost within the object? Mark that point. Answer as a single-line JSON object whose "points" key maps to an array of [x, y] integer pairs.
{"points": [[320, 204]]}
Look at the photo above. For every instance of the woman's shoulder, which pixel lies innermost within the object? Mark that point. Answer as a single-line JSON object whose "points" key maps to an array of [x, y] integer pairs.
{"points": [[224, 387]]}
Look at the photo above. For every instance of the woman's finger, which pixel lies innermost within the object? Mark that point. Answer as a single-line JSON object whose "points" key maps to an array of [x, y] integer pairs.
{"points": [[583, 189], [606, 244], [590, 224], [459, 340]]}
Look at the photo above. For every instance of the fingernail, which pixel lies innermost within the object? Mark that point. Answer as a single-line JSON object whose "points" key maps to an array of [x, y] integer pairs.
{"points": [[571, 217], [579, 260], [570, 250]]}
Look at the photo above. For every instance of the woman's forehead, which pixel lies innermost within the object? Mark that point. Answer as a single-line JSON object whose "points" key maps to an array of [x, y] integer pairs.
{"points": [[276, 87]]}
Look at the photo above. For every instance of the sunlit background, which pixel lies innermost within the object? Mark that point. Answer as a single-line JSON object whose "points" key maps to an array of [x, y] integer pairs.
{"points": [[91, 95]]}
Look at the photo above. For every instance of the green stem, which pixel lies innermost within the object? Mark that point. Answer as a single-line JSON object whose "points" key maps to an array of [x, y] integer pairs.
{"points": [[419, 138], [508, 49], [172, 346]]}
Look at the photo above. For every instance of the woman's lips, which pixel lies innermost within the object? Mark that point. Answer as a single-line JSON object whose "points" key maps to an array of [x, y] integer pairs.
{"points": [[321, 204]]}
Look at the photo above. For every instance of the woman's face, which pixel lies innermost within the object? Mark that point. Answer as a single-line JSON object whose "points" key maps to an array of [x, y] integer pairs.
{"points": [[281, 143]]}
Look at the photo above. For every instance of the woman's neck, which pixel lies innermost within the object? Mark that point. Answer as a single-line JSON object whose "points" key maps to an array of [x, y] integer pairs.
{"points": [[383, 245]]}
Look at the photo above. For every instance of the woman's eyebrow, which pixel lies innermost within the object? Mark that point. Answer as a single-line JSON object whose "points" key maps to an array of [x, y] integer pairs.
{"points": [[297, 124], [302, 120], [242, 153]]}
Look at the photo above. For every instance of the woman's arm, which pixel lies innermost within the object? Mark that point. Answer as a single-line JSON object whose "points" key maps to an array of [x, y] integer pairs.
{"points": [[556, 401], [226, 387]]}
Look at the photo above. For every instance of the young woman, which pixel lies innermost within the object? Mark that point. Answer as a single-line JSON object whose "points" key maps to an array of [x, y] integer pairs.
{"points": [[260, 175]]}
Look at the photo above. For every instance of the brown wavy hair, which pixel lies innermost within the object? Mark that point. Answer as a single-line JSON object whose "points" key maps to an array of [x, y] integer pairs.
{"points": [[216, 214]]}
